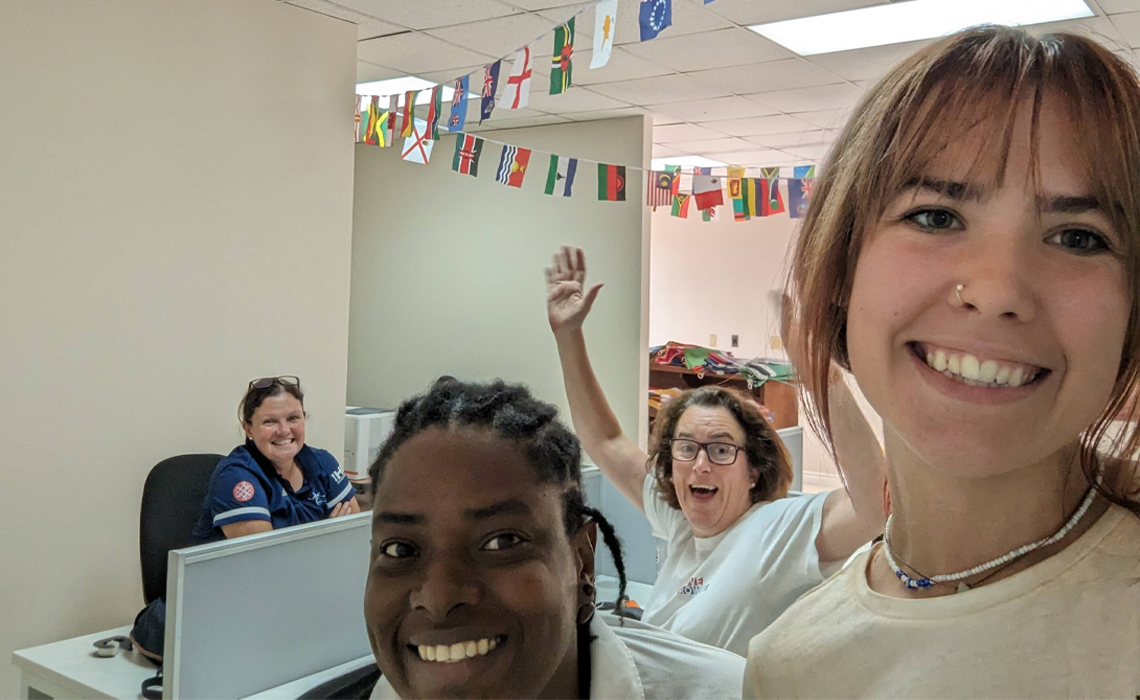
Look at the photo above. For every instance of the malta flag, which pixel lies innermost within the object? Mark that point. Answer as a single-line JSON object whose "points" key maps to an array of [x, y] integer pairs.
{"points": [[560, 177], [611, 182], [707, 189], [517, 93], [512, 166], [468, 148]]}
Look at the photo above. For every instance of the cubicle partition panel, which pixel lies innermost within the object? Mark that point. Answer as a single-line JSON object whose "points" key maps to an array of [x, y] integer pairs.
{"points": [[253, 613]]}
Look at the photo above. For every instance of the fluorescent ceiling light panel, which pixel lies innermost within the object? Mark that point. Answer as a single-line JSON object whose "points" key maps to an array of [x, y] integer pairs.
{"points": [[398, 86], [911, 21], [685, 161]]}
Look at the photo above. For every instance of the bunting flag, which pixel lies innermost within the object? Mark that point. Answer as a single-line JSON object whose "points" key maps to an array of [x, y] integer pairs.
{"points": [[709, 214], [681, 205], [393, 115], [468, 148], [611, 182], [360, 125], [434, 110], [772, 202], [512, 166], [655, 16], [490, 84], [408, 124], [803, 171], [517, 92], [417, 147], [560, 178], [736, 192], [605, 19], [660, 188], [458, 117], [375, 133], [561, 66], [706, 188], [799, 195]]}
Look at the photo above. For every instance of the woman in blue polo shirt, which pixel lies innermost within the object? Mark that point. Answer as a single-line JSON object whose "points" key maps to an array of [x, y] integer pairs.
{"points": [[274, 480]]}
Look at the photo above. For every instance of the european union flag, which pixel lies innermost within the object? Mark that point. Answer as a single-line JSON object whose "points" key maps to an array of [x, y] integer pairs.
{"points": [[655, 16]]}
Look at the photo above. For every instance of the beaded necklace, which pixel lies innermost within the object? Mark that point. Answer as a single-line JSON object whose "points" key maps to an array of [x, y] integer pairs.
{"points": [[928, 581]]}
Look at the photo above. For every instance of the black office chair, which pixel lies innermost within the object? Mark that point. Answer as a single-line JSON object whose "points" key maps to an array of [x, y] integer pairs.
{"points": [[171, 504]]}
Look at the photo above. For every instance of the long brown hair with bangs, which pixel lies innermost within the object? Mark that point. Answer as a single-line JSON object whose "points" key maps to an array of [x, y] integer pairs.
{"points": [[762, 445], [927, 104]]}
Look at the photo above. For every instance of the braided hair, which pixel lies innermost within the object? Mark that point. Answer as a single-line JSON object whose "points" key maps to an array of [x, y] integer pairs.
{"points": [[512, 413]]}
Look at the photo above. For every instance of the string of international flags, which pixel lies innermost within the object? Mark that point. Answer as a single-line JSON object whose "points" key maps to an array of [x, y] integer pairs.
{"points": [[749, 196]]}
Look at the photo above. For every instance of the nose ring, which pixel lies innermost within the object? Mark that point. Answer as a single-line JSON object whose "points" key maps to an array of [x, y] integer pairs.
{"points": [[958, 293]]}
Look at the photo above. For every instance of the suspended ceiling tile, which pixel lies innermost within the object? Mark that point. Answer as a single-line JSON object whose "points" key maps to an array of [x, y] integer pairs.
{"points": [[1100, 29], [712, 109], [756, 126], [659, 90], [416, 53], [605, 114], [367, 26], [791, 141], [583, 21], [621, 66], [422, 14], [707, 146], [746, 12], [535, 5], [502, 36], [448, 76], [825, 119], [1113, 7], [660, 151], [367, 72], [769, 76], [716, 49], [817, 152], [1128, 25], [490, 127], [576, 99], [688, 18], [810, 99], [865, 64], [761, 158], [683, 132]]}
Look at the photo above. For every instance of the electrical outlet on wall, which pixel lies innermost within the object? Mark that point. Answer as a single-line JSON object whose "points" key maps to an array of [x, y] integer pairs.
{"points": [[735, 342], [712, 340]]}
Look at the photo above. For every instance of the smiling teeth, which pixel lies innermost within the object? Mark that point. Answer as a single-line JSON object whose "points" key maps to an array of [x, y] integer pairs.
{"points": [[452, 653], [973, 371]]}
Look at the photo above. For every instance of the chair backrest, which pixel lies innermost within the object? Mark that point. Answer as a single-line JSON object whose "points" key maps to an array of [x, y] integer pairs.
{"points": [[171, 504]]}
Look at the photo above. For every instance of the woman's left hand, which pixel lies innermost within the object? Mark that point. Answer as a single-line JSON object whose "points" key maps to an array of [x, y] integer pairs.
{"points": [[344, 508]]}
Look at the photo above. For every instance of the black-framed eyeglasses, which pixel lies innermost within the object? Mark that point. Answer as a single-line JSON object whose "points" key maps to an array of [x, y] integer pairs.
{"points": [[266, 382], [686, 450]]}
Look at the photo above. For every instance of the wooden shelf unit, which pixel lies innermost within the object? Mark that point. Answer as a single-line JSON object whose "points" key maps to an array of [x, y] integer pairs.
{"points": [[778, 397]]}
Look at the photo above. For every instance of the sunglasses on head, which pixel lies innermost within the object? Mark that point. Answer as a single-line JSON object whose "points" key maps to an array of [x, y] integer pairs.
{"points": [[266, 382]]}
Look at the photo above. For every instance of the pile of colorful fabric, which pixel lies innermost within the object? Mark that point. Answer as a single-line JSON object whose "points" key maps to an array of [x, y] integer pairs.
{"points": [[702, 360]]}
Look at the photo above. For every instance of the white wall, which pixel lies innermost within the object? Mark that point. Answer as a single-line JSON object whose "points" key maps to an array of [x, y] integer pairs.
{"points": [[725, 277], [175, 219], [447, 270]]}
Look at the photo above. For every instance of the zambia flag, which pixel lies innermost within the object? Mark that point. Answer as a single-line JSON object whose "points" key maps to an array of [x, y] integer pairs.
{"points": [[611, 182], [560, 67]]}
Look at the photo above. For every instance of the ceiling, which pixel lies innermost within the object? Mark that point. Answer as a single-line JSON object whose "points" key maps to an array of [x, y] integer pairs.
{"points": [[712, 87]]}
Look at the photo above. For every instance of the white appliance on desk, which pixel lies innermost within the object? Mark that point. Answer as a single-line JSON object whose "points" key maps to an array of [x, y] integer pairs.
{"points": [[365, 430]]}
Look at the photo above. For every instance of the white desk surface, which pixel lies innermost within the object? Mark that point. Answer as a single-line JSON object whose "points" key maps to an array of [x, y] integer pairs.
{"points": [[71, 669]]}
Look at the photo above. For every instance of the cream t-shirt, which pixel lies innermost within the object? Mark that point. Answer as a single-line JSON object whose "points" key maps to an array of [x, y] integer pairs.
{"points": [[1066, 627], [724, 590]]}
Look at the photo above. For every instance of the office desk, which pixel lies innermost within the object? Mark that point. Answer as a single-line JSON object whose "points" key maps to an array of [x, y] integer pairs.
{"points": [[70, 670]]}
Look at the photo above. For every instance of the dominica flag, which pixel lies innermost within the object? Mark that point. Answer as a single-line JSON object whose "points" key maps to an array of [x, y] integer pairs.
{"points": [[408, 123], [611, 182], [736, 192], [803, 171], [799, 194], [706, 188], [468, 148], [560, 177], [434, 110], [561, 67], [771, 201], [512, 166], [681, 205]]}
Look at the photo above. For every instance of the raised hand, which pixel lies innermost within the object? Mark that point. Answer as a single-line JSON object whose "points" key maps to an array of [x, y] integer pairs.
{"points": [[567, 301]]}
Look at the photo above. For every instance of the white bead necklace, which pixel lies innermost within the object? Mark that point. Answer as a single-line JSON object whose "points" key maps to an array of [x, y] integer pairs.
{"points": [[929, 581]]}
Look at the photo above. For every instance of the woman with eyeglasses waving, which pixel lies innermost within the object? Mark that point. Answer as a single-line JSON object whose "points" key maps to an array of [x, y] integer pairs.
{"points": [[274, 480], [714, 486]]}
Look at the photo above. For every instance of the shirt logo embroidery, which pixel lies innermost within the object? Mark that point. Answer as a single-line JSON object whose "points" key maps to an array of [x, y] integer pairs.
{"points": [[318, 498], [338, 475], [694, 586], [284, 493], [243, 491]]}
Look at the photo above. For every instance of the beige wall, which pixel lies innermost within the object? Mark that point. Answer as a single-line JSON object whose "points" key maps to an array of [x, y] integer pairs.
{"points": [[447, 270], [175, 219], [724, 277]]}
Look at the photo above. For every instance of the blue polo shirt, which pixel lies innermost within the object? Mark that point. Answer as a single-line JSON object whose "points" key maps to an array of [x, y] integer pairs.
{"points": [[245, 486]]}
